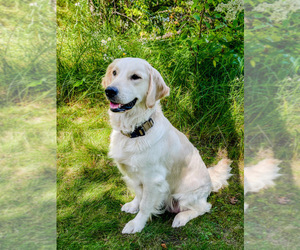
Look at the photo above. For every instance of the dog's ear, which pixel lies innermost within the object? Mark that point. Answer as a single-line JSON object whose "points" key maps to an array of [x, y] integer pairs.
{"points": [[109, 73], [157, 88]]}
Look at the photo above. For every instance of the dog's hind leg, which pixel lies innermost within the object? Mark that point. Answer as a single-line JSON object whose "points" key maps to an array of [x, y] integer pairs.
{"points": [[194, 211], [192, 205]]}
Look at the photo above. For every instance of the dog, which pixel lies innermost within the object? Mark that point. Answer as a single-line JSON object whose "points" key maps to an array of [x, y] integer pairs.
{"points": [[157, 161]]}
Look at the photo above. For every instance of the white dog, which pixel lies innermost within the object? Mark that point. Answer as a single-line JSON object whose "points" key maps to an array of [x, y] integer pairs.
{"points": [[158, 162]]}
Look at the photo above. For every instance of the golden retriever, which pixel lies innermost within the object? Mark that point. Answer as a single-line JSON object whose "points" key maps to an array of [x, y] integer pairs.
{"points": [[158, 162]]}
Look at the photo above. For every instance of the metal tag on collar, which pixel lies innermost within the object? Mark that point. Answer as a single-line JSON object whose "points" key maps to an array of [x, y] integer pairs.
{"points": [[141, 131]]}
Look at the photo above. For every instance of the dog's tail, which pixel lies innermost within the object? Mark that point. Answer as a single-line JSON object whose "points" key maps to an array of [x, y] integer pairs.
{"points": [[261, 175], [219, 174]]}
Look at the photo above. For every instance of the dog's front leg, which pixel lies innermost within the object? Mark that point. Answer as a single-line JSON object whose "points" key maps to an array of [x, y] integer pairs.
{"points": [[133, 206], [154, 194]]}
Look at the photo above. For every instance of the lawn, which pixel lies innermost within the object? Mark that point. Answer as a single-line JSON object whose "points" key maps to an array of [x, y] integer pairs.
{"points": [[27, 150], [272, 118], [28, 128], [90, 194], [198, 47], [201, 62]]}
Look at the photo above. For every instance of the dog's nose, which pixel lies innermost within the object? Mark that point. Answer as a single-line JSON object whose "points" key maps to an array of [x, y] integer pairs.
{"points": [[111, 92]]}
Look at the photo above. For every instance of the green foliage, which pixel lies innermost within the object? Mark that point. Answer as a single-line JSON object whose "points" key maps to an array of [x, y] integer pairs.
{"points": [[209, 37], [272, 45], [272, 119], [27, 51], [200, 57], [272, 68]]}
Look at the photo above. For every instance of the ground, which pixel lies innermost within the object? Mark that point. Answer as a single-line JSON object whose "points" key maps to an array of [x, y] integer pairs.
{"points": [[91, 193]]}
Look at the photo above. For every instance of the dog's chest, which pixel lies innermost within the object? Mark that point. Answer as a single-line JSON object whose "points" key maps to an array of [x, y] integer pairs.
{"points": [[130, 163], [123, 157], [129, 152]]}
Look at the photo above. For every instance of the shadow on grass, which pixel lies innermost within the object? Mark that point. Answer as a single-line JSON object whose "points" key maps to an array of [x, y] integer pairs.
{"points": [[275, 211]]}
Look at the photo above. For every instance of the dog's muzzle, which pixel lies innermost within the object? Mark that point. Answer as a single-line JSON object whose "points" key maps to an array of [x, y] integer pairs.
{"points": [[111, 93]]}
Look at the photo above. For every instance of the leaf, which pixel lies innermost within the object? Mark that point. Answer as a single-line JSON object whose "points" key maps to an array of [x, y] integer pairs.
{"points": [[78, 83], [235, 23], [219, 26], [215, 63], [233, 200], [183, 36], [196, 16], [163, 245], [283, 200], [36, 83], [252, 63], [207, 24]]}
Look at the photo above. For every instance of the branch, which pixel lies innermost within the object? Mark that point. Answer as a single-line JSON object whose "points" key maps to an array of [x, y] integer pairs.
{"points": [[92, 7], [202, 14], [118, 13]]}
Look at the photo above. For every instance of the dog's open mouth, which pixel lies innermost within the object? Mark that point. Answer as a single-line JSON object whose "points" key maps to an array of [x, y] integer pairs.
{"points": [[117, 107]]}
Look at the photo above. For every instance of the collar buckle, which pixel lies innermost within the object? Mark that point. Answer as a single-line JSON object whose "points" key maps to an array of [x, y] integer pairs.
{"points": [[141, 130]]}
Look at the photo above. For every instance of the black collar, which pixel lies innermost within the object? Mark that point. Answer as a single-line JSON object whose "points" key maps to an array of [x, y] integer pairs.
{"points": [[141, 130]]}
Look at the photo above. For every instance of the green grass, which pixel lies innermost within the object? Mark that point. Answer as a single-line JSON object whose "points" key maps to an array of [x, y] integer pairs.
{"points": [[27, 67], [205, 103], [27, 132], [272, 121], [269, 223], [91, 192], [272, 118], [27, 201]]}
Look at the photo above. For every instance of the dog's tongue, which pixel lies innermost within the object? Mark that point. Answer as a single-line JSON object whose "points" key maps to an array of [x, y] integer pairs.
{"points": [[114, 105]]}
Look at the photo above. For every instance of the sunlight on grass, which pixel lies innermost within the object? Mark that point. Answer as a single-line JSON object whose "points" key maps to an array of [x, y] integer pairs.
{"points": [[95, 192], [27, 187]]}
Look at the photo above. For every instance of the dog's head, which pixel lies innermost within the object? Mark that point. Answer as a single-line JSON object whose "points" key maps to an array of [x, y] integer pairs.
{"points": [[132, 81]]}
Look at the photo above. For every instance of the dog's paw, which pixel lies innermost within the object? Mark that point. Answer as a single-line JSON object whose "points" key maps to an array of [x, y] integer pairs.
{"points": [[180, 220], [184, 217], [132, 227], [130, 207]]}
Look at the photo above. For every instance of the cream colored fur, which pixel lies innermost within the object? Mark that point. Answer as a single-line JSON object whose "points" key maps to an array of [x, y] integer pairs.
{"points": [[163, 168], [261, 175]]}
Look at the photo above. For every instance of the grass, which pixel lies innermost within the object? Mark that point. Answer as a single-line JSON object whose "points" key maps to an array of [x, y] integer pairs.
{"points": [[205, 103], [272, 121], [272, 117], [27, 52], [27, 183], [271, 223], [27, 132], [91, 191]]}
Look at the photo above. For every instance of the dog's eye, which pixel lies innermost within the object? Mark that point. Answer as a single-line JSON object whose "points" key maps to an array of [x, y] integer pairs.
{"points": [[135, 77], [114, 72]]}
